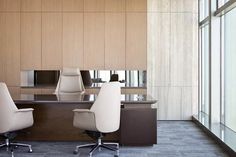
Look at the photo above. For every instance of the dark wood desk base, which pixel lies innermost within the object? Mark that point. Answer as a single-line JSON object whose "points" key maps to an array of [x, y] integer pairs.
{"points": [[138, 126], [54, 122]]}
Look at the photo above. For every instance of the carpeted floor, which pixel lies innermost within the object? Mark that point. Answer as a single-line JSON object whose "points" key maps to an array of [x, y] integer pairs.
{"points": [[175, 139]]}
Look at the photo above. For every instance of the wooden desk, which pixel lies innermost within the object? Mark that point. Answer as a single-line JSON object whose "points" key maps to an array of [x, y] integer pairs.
{"points": [[53, 118]]}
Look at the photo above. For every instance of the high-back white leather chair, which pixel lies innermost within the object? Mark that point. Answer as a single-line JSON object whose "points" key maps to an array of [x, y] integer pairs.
{"points": [[103, 117], [12, 119], [70, 82]]}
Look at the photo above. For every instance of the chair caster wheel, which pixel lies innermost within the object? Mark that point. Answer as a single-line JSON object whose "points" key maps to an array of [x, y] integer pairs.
{"points": [[30, 151], [75, 152]]}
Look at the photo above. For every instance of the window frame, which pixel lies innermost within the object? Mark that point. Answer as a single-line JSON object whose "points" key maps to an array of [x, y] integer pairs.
{"points": [[218, 11]]}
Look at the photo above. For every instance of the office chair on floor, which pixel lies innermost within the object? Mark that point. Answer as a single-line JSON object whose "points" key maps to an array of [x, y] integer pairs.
{"points": [[102, 118], [12, 120]]}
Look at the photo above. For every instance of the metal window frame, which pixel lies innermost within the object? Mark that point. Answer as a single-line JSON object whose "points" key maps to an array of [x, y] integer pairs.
{"points": [[199, 72], [202, 24], [220, 12], [222, 66], [228, 6], [199, 64], [210, 63]]}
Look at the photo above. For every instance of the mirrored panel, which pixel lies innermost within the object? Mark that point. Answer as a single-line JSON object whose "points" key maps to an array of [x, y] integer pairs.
{"points": [[130, 78], [91, 78]]}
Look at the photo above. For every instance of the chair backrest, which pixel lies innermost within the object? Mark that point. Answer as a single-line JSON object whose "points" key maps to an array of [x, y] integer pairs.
{"points": [[114, 77], [87, 80], [107, 107], [7, 108], [70, 81]]}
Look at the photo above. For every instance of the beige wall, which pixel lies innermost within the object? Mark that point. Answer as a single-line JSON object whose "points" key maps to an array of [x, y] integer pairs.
{"points": [[172, 57], [89, 34], [157, 35]]}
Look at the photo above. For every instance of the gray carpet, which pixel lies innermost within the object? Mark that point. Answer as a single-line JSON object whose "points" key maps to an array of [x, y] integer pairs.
{"points": [[175, 139]]}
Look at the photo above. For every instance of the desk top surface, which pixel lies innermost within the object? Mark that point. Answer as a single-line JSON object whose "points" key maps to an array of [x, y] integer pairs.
{"points": [[94, 85], [77, 98]]}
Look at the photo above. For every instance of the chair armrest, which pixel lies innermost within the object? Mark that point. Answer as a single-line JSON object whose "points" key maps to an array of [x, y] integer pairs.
{"points": [[84, 119], [23, 118], [25, 110]]}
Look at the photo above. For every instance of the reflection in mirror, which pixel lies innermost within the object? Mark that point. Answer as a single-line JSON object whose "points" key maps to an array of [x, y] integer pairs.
{"points": [[134, 78], [128, 78]]}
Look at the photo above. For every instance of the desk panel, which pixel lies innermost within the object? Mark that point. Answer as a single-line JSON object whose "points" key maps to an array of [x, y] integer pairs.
{"points": [[53, 118], [54, 122]]}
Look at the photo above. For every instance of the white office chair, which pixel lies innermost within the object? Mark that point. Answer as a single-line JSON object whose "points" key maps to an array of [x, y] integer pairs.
{"points": [[12, 119], [70, 82], [103, 117]]}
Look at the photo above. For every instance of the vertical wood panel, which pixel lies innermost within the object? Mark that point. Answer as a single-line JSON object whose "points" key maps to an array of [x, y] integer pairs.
{"points": [[169, 102], [94, 40], [114, 5], [159, 5], [136, 5], [73, 5], [31, 91], [2, 69], [159, 49], [48, 91], [136, 41], [51, 5], [94, 5], [9, 5], [194, 100], [31, 41], [31, 5], [172, 57], [2, 46], [174, 103], [14, 90], [11, 48], [51, 41], [115, 41], [184, 6], [181, 49], [187, 104], [195, 50], [73, 40]]}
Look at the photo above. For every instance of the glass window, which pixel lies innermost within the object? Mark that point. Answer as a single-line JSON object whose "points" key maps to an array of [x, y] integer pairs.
{"points": [[230, 69], [204, 9], [121, 74], [205, 69], [221, 2], [105, 75], [92, 73]]}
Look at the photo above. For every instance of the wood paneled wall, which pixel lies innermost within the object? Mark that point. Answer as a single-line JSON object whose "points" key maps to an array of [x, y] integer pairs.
{"points": [[107, 34], [10, 48], [173, 57], [89, 34]]}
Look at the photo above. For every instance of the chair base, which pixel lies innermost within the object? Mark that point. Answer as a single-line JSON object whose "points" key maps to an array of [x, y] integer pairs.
{"points": [[97, 146], [10, 146]]}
